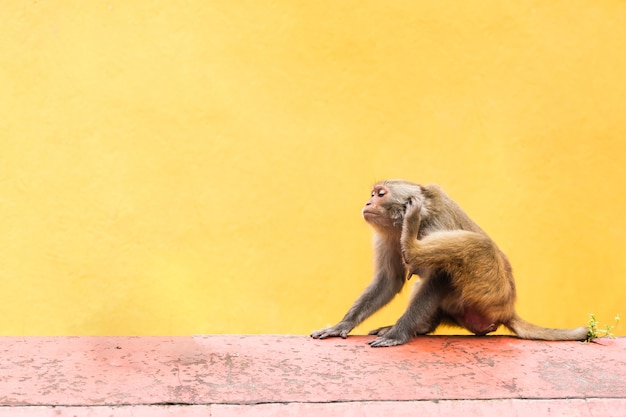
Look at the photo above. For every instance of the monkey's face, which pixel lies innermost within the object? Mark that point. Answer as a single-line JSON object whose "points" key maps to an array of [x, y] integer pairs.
{"points": [[383, 209]]}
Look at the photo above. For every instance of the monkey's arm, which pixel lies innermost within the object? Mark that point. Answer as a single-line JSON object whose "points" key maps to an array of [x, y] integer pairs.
{"points": [[410, 228], [381, 290], [388, 281]]}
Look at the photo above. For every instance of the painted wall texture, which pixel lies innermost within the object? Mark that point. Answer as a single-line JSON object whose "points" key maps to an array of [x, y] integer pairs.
{"points": [[199, 167]]}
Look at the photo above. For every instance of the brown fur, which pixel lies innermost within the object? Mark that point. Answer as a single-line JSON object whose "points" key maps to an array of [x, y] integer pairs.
{"points": [[466, 279]]}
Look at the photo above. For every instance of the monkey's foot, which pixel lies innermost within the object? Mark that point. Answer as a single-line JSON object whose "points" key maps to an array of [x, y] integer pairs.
{"points": [[386, 342], [381, 331]]}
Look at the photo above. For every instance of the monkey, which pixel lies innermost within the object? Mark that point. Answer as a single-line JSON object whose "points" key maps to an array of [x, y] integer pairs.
{"points": [[465, 279]]}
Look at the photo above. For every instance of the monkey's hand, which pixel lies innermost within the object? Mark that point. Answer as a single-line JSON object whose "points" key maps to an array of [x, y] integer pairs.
{"points": [[392, 337], [341, 329], [412, 213], [410, 229]]}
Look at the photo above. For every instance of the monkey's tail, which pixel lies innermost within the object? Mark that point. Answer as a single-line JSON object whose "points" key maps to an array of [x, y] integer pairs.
{"points": [[527, 330]]}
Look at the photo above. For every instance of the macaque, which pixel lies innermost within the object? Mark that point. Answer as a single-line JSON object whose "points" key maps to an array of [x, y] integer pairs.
{"points": [[465, 279]]}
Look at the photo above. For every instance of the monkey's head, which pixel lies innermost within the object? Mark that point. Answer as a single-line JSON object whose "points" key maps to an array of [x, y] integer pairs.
{"points": [[387, 204]]}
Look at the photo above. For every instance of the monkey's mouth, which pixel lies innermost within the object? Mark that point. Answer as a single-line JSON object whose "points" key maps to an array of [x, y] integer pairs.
{"points": [[369, 214]]}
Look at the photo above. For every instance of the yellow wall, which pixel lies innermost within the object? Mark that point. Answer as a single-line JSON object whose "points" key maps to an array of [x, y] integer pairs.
{"points": [[199, 167]]}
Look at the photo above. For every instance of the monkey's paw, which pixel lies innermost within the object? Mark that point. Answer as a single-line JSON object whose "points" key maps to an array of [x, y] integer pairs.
{"points": [[386, 342], [340, 330], [392, 336]]}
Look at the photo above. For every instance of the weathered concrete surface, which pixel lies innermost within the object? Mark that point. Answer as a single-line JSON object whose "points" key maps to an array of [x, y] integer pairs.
{"points": [[289, 375], [500, 408]]}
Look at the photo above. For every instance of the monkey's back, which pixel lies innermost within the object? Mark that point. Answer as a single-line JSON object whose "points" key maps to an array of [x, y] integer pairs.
{"points": [[443, 213]]}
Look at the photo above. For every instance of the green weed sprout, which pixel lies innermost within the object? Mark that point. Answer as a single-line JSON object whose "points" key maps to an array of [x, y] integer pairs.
{"points": [[595, 332]]}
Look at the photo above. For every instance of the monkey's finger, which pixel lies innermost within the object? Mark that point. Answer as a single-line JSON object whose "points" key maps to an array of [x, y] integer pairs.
{"points": [[384, 342], [330, 332], [375, 342], [319, 334]]}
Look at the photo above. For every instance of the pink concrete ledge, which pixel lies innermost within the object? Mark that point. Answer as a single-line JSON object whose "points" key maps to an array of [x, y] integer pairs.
{"points": [[299, 376]]}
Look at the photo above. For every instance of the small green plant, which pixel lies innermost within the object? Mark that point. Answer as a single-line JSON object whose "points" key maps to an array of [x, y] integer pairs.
{"points": [[595, 332]]}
